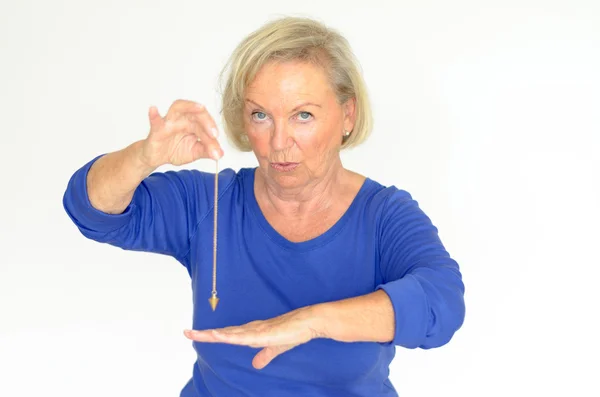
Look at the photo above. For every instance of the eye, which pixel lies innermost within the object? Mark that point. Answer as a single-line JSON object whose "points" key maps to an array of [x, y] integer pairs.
{"points": [[259, 116], [304, 116]]}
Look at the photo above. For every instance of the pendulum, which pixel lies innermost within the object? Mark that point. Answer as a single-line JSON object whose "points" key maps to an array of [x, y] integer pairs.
{"points": [[213, 299]]}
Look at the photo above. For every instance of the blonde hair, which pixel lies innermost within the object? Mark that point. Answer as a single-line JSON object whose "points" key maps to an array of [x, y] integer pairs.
{"points": [[294, 39]]}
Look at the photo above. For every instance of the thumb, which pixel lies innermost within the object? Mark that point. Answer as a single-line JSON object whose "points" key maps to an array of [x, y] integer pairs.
{"points": [[156, 121], [266, 355]]}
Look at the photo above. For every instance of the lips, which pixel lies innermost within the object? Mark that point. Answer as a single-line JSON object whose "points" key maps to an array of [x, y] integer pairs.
{"points": [[284, 167]]}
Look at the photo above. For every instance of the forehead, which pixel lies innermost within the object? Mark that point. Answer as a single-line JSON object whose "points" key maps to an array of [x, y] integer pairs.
{"points": [[289, 81]]}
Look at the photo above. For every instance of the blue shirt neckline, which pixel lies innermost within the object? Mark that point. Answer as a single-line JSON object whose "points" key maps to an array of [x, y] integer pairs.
{"points": [[275, 236]]}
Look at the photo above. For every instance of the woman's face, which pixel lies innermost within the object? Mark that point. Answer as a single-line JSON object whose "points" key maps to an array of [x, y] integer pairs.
{"points": [[294, 123]]}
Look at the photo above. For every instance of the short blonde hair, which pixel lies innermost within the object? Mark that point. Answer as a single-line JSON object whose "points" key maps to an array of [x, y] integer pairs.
{"points": [[294, 39]]}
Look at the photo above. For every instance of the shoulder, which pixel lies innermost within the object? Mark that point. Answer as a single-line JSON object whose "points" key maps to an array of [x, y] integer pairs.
{"points": [[392, 208], [383, 198]]}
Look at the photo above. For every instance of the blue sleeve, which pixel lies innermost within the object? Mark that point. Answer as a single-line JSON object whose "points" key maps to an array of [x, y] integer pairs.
{"points": [[423, 282], [161, 217]]}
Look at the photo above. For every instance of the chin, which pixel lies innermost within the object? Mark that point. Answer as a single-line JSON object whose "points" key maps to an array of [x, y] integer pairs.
{"points": [[286, 178]]}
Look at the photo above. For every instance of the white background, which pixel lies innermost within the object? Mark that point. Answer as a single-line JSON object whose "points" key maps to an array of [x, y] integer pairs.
{"points": [[487, 112]]}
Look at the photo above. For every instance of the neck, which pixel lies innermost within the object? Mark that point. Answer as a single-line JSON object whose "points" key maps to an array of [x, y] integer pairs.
{"points": [[314, 197]]}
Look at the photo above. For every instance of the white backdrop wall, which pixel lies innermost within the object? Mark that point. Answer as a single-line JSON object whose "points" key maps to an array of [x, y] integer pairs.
{"points": [[487, 112]]}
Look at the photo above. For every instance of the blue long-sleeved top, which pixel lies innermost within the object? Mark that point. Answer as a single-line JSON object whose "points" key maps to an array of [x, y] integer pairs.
{"points": [[383, 241]]}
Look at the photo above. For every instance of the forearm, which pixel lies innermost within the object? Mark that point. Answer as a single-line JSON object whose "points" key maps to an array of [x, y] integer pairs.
{"points": [[366, 318], [113, 178]]}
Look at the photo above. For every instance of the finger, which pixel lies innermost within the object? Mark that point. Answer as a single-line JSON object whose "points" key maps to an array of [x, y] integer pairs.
{"points": [[204, 146], [206, 131], [212, 335], [222, 337], [253, 338], [266, 355], [206, 121], [201, 124], [182, 126], [206, 128], [230, 329], [202, 336], [237, 329], [199, 151], [156, 122], [182, 106]]}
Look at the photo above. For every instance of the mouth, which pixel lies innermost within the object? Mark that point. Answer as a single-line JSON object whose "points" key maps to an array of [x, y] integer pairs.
{"points": [[284, 167]]}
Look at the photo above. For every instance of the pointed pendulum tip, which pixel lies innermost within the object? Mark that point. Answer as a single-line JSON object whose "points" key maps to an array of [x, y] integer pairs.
{"points": [[213, 301]]}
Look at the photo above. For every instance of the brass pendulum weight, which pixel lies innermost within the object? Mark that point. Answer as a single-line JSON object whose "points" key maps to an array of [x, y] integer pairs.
{"points": [[213, 299]]}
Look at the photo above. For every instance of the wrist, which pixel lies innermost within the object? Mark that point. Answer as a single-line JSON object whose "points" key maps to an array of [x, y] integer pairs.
{"points": [[320, 321], [139, 162]]}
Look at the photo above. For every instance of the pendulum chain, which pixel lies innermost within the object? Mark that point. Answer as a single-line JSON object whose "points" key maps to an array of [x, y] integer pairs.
{"points": [[213, 299]]}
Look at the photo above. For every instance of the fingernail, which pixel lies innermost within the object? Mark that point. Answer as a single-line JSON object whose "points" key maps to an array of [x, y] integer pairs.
{"points": [[200, 106], [214, 132], [216, 154]]}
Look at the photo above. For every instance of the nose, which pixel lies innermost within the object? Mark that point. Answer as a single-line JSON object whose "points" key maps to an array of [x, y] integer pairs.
{"points": [[281, 138]]}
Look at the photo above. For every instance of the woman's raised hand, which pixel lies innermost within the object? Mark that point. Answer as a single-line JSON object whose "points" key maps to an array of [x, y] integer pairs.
{"points": [[186, 133]]}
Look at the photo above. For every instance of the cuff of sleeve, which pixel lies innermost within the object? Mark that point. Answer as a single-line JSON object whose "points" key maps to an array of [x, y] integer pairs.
{"points": [[410, 311], [77, 204]]}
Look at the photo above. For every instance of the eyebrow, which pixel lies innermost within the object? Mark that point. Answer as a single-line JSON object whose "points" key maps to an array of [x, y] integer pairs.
{"points": [[293, 110]]}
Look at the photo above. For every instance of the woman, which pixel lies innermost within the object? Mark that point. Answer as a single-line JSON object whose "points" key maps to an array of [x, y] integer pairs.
{"points": [[322, 271]]}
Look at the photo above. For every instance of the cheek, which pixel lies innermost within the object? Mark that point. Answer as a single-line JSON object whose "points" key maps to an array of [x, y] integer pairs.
{"points": [[315, 137], [310, 134], [259, 139]]}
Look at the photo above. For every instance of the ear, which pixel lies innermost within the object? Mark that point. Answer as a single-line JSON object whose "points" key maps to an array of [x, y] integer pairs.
{"points": [[349, 108]]}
